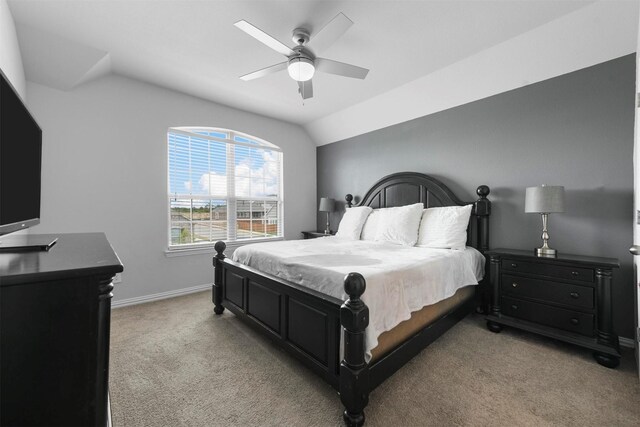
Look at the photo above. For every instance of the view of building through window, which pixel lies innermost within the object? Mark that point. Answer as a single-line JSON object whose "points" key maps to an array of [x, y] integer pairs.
{"points": [[223, 185]]}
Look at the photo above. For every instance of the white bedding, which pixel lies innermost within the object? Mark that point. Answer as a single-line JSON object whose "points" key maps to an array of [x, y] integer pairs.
{"points": [[400, 279]]}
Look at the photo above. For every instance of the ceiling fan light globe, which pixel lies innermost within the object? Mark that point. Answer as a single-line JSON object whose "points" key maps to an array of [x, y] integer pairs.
{"points": [[301, 69]]}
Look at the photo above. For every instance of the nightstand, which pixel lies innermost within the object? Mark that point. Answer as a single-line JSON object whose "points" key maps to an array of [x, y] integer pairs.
{"points": [[315, 234], [567, 298]]}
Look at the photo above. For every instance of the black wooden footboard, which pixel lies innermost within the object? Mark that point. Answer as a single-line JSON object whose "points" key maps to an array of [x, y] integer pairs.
{"points": [[306, 323], [303, 322]]}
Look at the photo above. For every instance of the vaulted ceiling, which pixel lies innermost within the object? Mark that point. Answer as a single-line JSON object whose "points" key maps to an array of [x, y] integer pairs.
{"points": [[194, 48]]}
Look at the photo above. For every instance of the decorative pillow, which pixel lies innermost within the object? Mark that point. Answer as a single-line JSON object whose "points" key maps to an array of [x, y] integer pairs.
{"points": [[370, 229], [352, 222], [445, 227], [400, 225]]}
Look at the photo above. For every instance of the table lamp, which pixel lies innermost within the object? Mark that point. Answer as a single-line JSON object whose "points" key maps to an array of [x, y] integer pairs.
{"points": [[544, 200], [327, 205]]}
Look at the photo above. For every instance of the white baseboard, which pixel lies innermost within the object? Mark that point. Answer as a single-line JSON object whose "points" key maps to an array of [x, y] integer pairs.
{"points": [[626, 342], [159, 296]]}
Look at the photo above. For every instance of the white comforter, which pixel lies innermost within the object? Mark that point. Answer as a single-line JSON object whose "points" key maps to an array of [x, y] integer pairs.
{"points": [[400, 279]]}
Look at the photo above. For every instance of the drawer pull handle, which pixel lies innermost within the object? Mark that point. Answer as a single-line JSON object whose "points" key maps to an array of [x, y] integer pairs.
{"points": [[514, 265], [574, 295], [515, 307], [575, 273], [514, 284], [574, 321]]}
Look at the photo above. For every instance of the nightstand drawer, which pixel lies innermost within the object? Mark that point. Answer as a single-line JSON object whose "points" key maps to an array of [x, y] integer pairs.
{"points": [[550, 270], [560, 293], [580, 323]]}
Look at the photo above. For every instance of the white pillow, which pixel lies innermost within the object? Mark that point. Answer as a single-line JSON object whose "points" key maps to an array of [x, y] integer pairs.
{"points": [[400, 225], [445, 227], [352, 222], [370, 229]]}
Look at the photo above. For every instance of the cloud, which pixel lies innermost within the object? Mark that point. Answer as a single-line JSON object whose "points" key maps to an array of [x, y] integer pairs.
{"points": [[260, 181]]}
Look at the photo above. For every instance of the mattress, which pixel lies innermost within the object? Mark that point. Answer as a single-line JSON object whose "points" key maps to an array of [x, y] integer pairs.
{"points": [[400, 279]]}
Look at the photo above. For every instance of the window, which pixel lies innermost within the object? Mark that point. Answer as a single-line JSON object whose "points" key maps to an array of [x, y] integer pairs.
{"points": [[223, 185]]}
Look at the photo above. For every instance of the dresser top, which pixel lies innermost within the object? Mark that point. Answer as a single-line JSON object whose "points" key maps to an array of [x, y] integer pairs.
{"points": [[79, 254], [560, 258]]}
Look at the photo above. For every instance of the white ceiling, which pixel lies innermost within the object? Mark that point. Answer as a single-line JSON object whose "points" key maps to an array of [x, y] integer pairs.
{"points": [[424, 56], [193, 47]]}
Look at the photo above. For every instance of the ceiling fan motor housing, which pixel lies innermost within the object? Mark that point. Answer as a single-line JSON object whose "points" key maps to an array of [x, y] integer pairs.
{"points": [[300, 36]]}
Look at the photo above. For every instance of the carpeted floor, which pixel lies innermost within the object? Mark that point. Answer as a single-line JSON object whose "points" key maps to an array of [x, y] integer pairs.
{"points": [[174, 363]]}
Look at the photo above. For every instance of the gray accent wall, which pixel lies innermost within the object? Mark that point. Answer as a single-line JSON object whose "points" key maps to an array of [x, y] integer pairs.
{"points": [[574, 130]]}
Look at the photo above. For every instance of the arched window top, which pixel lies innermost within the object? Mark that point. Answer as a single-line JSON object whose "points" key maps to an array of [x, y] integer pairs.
{"points": [[225, 135]]}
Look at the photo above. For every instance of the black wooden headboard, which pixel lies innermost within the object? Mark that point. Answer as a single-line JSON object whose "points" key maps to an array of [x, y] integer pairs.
{"points": [[405, 188]]}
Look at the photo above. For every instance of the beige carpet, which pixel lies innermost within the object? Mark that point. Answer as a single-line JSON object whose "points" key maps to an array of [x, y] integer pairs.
{"points": [[174, 363]]}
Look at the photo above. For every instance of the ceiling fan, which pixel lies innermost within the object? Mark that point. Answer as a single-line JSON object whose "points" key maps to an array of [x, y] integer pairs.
{"points": [[301, 61]]}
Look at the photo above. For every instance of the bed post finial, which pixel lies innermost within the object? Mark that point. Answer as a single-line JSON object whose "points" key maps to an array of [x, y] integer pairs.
{"points": [[349, 199], [483, 191], [354, 372], [220, 246]]}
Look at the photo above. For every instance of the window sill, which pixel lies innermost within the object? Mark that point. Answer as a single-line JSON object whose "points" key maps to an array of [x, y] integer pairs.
{"points": [[209, 250]]}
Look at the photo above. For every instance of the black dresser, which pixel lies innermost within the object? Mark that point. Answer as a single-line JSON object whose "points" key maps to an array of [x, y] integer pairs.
{"points": [[567, 298], [55, 310]]}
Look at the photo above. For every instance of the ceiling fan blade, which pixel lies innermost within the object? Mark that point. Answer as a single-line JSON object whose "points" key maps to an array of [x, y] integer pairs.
{"points": [[263, 37], [265, 71], [340, 68], [330, 32], [305, 89]]}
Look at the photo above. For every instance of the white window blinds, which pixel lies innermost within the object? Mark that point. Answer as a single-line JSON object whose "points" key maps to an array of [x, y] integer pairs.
{"points": [[222, 185]]}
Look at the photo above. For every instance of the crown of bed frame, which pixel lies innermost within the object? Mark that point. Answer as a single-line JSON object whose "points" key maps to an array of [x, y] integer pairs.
{"points": [[405, 188]]}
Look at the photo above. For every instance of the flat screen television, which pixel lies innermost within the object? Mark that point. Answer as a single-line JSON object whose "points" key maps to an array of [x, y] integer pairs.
{"points": [[20, 162]]}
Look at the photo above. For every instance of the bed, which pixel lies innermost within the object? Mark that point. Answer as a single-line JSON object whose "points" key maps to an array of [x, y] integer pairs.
{"points": [[324, 327]]}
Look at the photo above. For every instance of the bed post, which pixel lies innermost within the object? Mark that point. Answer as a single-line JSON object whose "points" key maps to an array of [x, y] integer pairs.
{"points": [[483, 210], [349, 199], [220, 246], [354, 372]]}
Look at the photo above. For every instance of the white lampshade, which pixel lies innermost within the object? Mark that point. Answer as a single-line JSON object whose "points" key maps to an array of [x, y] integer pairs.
{"points": [[327, 205], [544, 199], [301, 69]]}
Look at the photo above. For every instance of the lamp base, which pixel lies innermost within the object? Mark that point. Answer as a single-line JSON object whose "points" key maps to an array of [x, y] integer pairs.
{"points": [[546, 252], [327, 230]]}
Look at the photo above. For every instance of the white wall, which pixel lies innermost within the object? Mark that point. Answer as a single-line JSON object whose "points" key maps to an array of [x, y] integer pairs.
{"points": [[10, 59], [104, 169]]}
